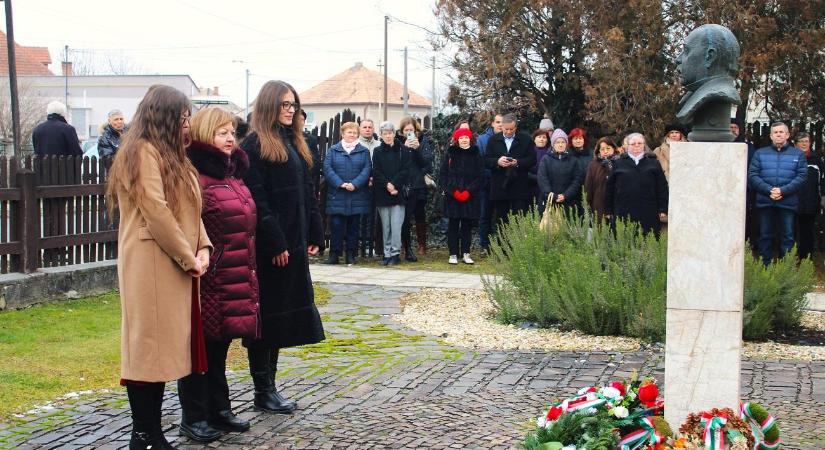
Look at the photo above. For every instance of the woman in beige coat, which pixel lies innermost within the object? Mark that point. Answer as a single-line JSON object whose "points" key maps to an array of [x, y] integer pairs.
{"points": [[162, 251]]}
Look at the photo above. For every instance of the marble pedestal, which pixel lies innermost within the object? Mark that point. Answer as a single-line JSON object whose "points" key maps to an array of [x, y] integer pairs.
{"points": [[705, 277]]}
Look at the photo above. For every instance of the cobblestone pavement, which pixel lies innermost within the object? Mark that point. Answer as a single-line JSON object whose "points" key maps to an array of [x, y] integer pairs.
{"points": [[374, 384]]}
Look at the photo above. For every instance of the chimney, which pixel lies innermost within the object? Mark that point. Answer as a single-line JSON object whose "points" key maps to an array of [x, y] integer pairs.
{"points": [[215, 91], [67, 68]]}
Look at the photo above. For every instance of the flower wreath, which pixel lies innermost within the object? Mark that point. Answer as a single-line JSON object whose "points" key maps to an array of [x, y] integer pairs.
{"points": [[718, 429], [763, 425]]}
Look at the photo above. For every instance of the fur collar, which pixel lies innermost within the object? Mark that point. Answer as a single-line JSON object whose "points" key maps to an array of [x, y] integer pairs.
{"points": [[211, 161]]}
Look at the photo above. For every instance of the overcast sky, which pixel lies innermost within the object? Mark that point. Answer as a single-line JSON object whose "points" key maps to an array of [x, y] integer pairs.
{"points": [[302, 42]]}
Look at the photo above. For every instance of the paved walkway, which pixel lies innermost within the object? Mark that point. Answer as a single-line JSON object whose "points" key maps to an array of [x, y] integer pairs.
{"points": [[394, 277], [375, 384]]}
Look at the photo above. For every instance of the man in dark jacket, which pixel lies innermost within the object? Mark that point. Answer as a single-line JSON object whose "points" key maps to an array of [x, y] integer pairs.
{"points": [[486, 210], [810, 196], [509, 156], [55, 136], [109, 141], [776, 173]]}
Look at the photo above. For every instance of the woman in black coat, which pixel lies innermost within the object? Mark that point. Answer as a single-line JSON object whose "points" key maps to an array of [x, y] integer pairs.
{"points": [[289, 229], [390, 175], [637, 188], [559, 173], [420, 153], [461, 174]]}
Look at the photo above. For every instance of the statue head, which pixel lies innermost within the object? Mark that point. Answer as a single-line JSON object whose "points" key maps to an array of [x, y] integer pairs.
{"points": [[710, 50]]}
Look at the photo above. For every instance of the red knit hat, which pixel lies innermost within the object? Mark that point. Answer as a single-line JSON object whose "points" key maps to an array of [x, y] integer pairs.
{"points": [[462, 132]]}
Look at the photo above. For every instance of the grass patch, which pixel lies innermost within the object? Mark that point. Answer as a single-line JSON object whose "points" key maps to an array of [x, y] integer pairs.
{"points": [[52, 349], [436, 259]]}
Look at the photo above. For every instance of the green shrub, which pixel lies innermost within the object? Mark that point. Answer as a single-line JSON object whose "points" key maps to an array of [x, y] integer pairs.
{"points": [[614, 282]]}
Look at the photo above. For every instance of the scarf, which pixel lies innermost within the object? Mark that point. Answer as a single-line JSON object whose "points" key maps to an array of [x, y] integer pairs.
{"points": [[636, 159], [349, 147]]}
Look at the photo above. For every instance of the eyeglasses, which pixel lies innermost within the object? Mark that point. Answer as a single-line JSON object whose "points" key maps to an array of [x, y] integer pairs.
{"points": [[184, 119], [287, 105]]}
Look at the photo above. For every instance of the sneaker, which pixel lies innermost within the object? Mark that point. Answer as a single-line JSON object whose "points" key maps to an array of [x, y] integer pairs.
{"points": [[467, 259], [453, 259]]}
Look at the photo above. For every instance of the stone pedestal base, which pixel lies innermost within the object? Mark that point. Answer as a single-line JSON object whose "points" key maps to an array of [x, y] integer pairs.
{"points": [[705, 280]]}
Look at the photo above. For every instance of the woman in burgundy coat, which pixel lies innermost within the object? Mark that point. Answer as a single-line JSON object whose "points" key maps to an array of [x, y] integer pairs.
{"points": [[229, 289]]}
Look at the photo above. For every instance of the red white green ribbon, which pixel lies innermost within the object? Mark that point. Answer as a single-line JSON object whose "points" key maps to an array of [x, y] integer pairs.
{"points": [[767, 424], [712, 435], [646, 435], [582, 402]]}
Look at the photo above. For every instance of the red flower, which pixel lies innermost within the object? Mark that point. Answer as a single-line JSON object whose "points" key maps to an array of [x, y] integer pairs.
{"points": [[618, 385], [554, 413], [591, 389], [648, 393]]}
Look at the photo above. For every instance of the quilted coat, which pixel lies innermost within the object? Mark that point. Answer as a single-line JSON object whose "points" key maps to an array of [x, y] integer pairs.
{"points": [[341, 167], [785, 168], [229, 289]]}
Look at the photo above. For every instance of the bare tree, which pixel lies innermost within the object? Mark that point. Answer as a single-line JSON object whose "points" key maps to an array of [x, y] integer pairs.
{"points": [[91, 62], [32, 111]]}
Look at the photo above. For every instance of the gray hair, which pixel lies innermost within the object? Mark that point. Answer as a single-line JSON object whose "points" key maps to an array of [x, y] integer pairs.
{"points": [[802, 135], [635, 135], [367, 120], [114, 113], [386, 126], [509, 118], [56, 107], [780, 124]]}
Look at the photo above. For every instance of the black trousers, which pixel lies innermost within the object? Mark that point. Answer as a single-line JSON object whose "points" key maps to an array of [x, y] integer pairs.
{"points": [[501, 208], [458, 235], [415, 211], [805, 234], [203, 396]]}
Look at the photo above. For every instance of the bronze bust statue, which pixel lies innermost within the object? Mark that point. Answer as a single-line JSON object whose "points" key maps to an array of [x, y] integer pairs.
{"points": [[708, 66]]}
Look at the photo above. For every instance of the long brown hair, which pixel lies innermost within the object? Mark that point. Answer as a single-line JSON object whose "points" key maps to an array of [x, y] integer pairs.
{"points": [[157, 122], [265, 123]]}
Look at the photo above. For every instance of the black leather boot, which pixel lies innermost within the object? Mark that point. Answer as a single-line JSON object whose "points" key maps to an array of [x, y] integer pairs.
{"points": [[192, 391], [409, 256], [146, 434], [266, 397], [333, 257], [350, 257], [157, 406], [226, 421]]}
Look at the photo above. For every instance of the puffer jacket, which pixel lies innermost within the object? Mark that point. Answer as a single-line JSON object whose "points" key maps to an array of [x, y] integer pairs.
{"points": [[109, 141], [354, 167], [229, 289], [559, 173], [785, 168]]}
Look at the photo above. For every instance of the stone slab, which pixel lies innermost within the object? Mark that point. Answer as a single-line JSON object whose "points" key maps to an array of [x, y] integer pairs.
{"points": [[706, 226], [702, 362]]}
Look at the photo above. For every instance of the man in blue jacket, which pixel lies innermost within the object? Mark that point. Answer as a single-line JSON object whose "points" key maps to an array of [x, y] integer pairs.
{"points": [[486, 213], [776, 173]]}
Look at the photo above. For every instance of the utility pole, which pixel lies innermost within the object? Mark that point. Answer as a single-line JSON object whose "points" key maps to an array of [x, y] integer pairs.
{"points": [[66, 75], [386, 25], [432, 100], [15, 105], [246, 109], [406, 94], [380, 104]]}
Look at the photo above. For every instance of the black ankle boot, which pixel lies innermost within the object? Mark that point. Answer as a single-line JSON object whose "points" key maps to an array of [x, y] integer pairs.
{"points": [[351, 257], [226, 421], [193, 394], [333, 257], [266, 397], [409, 256]]}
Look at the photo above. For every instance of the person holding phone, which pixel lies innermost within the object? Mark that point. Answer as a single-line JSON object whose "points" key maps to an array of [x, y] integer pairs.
{"points": [[509, 156], [289, 231], [420, 153]]}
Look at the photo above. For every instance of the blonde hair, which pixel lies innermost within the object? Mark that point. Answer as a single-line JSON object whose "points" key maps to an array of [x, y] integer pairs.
{"points": [[207, 121], [348, 126]]}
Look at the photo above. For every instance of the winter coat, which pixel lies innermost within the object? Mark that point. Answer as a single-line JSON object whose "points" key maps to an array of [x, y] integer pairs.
{"points": [[56, 137], [229, 289], [482, 140], [156, 247], [390, 164], [582, 157], [288, 220], [810, 194], [461, 170], [341, 167], [595, 183], [108, 142], [785, 168], [559, 173], [662, 153], [532, 175], [421, 161], [510, 183], [637, 192]]}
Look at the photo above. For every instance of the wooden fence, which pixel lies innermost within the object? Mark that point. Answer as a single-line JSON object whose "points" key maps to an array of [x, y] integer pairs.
{"points": [[52, 213], [760, 133]]}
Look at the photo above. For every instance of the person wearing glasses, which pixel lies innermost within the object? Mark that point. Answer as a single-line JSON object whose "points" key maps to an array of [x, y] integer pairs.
{"points": [[289, 230], [163, 250], [229, 289]]}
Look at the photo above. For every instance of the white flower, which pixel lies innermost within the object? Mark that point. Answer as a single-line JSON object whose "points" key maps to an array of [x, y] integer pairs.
{"points": [[541, 421], [569, 447], [611, 392], [620, 412], [631, 395], [591, 411]]}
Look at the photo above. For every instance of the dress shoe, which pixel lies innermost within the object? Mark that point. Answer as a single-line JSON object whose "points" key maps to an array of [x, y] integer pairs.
{"points": [[199, 431], [350, 257], [394, 260], [226, 421]]}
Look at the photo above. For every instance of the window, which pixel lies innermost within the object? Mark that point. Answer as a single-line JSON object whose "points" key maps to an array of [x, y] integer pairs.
{"points": [[80, 122]]}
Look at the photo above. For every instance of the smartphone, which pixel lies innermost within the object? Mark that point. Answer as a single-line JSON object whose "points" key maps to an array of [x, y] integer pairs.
{"points": [[509, 158], [410, 135]]}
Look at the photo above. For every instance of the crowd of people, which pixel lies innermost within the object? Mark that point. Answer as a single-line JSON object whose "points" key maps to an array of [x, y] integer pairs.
{"points": [[217, 226]]}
